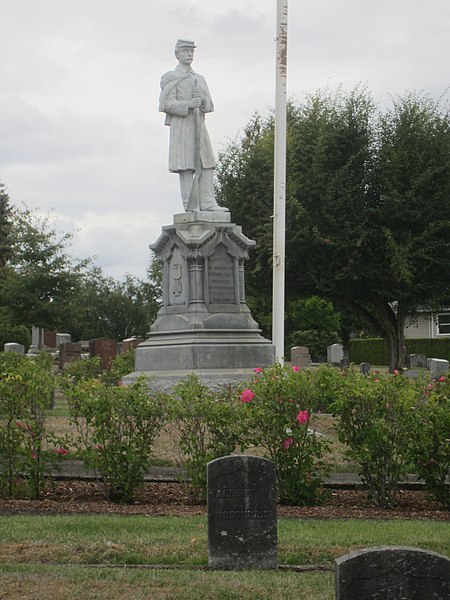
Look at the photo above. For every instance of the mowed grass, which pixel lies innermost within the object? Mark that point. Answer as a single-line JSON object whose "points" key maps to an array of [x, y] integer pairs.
{"points": [[161, 540], [45, 583], [115, 557]]}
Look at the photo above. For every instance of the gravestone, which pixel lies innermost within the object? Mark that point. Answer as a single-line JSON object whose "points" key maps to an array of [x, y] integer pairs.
{"points": [[417, 361], [105, 348], [335, 354], [13, 347], [392, 573], [63, 338], [242, 521], [35, 341], [69, 352], [364, 368], [412, 374], [438, 367], [131, 343], [50, 340], [300, 357]]}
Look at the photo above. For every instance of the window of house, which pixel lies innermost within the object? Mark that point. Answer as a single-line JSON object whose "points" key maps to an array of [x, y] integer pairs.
{"points": [[443, 322]]}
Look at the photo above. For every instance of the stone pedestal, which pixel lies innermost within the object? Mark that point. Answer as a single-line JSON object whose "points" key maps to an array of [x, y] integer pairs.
{"points": [[204, 325]]}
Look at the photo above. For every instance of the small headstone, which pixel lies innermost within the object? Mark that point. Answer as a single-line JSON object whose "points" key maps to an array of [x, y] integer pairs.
{"points": [[69, 352], [105, 348], [335, 354], [13, 347], [392, 573], [242, 521], [364, 368], [50, 339], [438, 367], [412, 374], [35, 341], [300, 357], [417, 361], [131, 343], [63, 338]]}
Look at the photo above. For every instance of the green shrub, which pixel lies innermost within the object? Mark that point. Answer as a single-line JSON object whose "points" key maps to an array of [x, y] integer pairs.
{"points": [[375, 351], [83, 369], [20, 334], [209, 426], [371, 350], [121, 365], [117, 427], [278, 404], [27, 453], [430, 439], [374, 420]]}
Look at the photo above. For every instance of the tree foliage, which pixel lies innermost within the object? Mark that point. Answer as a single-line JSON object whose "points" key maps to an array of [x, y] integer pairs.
{"points": [[42, 284], [368, 211]]}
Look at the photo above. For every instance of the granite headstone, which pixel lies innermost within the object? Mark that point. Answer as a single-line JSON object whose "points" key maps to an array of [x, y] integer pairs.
{"points": [[242, 522], [300, 357], [417, 361], [105, 348], [392, 573], [335, 354], [364, 368], [438, 367]]}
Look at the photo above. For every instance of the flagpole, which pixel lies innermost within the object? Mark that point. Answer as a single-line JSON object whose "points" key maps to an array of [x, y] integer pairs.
{"points": [[279, 199]]}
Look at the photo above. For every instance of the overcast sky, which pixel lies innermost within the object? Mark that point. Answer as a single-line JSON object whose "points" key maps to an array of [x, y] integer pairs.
{"points": [[79, 84]]}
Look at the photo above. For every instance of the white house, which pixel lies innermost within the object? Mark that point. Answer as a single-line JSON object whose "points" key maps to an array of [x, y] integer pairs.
{"points": [[429, 325]]}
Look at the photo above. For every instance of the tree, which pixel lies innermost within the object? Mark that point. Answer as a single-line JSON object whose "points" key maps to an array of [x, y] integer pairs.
{"points": [[105, 307], [5, 226], [315, 324], [368, 212], [39, 276]]}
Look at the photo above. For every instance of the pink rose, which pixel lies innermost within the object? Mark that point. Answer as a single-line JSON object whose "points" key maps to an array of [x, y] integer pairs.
{"points": [[61, 451], [296, 369], [303, 417], [441, 379], [287, 442], [247, 395], [376, 381], [257, 370], [430, 386], [395, 372]]}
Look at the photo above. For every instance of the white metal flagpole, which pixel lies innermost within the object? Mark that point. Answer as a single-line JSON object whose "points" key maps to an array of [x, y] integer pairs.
{"points": [[279, 199]]}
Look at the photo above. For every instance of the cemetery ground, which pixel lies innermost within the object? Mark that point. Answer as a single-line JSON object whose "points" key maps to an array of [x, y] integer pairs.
{"points": [[75, 542]]}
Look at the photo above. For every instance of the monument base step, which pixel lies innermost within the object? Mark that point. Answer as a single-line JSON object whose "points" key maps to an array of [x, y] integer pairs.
{"points": [[213, 378]]}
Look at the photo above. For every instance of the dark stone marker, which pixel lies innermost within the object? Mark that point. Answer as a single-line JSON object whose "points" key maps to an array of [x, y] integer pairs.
{"points": [[393, 573], [221, 277], [69, 352], [417, 361], [105, 348], [364, 368], [242, 520]]}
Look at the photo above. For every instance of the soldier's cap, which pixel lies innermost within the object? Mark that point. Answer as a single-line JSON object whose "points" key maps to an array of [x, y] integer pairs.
{"points": [[185, 44]]}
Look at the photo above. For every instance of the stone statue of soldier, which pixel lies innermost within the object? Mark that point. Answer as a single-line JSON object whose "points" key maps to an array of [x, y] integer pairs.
{"points": [[185, 99]]}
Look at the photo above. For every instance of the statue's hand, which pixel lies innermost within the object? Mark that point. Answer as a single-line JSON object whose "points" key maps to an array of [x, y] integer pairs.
{"points": [[195, 102]]}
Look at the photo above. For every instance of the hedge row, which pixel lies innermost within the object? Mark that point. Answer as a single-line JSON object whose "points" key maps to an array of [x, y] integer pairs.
{"points": [[375, 350]]}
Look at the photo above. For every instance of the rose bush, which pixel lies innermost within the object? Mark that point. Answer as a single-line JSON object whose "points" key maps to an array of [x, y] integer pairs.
{"points": [[117, 426], [277, 408], [28, 455], [374, 420]]}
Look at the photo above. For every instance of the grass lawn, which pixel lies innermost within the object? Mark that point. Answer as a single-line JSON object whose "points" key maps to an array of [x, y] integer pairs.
{"points": [[112, 557]]}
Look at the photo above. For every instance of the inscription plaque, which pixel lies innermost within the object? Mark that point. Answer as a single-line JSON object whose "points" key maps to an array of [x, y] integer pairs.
{"points": [[392, 573], [221, 280], [242, 522]]}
